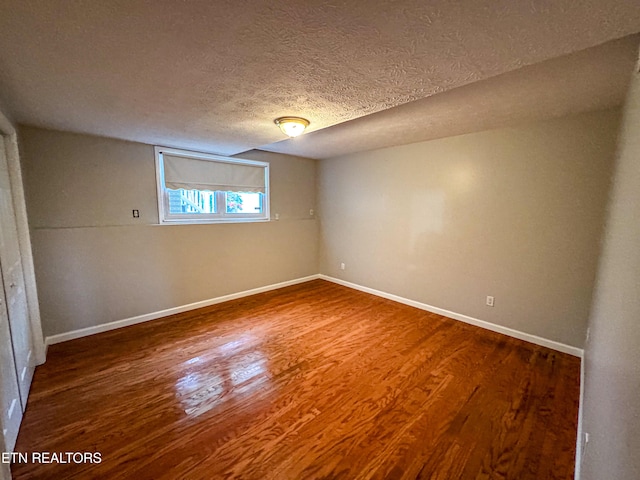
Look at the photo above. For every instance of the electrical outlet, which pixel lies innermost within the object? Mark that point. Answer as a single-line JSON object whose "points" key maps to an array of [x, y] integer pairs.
{"points": [[277, 216], [342, 266], [585, 442], [311, 212], [490, 301], [136, 214]]}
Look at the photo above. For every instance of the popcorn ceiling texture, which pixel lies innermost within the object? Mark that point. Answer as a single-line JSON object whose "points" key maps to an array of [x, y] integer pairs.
{"points": [[594, 79], [213, 75]]}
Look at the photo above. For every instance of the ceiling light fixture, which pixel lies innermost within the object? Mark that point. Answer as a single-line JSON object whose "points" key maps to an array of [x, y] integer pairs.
{"points": [[292, 126]]}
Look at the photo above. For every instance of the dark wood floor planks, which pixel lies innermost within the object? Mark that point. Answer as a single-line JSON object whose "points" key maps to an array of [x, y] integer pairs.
{"points": [[307, 382]]}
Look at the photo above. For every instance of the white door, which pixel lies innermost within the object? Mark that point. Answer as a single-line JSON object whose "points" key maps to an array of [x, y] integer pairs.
{"points": [[9, 393], [14, 289]]}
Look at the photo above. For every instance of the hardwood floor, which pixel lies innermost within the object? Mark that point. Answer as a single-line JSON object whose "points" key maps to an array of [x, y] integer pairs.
{"points": [[313, 381]]}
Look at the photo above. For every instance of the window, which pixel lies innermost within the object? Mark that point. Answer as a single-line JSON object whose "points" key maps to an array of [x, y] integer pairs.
{"points": [[203, 188]]}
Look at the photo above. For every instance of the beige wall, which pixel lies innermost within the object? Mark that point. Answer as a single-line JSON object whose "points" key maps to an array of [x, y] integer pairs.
{"points": [[516, 213], [95, 263], [611, 409]]}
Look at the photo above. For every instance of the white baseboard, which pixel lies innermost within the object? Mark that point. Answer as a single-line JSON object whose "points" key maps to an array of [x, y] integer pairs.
{"points": [[527, 337], [105, 327]]}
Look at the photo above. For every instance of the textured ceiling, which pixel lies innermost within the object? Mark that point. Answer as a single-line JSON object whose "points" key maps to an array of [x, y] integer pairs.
{"points": [[212, 75], [592, 79]]}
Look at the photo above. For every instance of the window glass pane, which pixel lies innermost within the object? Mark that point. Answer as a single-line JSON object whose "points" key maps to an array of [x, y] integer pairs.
{"points": [[205, 188], [191, 201], [244, 202]]}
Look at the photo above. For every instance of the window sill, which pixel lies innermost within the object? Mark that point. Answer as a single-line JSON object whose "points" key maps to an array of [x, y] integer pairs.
{"points": [[213, 221]]}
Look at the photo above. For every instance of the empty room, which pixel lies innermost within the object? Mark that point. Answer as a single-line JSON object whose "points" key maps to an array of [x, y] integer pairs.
{"points": [[319, 240]]}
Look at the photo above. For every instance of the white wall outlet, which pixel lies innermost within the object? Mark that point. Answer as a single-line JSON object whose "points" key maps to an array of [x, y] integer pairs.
{"points": [[490, 300], [311, 212], [277, 216], [342, 266], [585, 442]]}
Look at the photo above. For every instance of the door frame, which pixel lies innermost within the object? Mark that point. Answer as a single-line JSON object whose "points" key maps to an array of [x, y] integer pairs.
{"points": [[12, 152]]}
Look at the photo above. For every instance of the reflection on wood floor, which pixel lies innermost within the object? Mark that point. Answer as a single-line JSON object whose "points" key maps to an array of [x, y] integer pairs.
{"points": [[306, 382]]}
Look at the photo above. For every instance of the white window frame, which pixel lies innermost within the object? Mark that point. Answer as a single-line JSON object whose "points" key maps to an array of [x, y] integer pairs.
{"points": [[166, 218]]}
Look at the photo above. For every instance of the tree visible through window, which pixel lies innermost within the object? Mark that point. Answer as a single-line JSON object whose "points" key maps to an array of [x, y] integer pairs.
{"points": [[244, 202], [234, 202]]}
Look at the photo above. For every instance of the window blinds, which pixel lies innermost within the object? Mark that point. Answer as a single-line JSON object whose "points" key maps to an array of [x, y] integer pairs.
{"points": [[195, 174]]}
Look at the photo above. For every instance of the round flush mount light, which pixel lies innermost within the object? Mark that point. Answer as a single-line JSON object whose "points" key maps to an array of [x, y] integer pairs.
{"points": [[292, 126]]}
